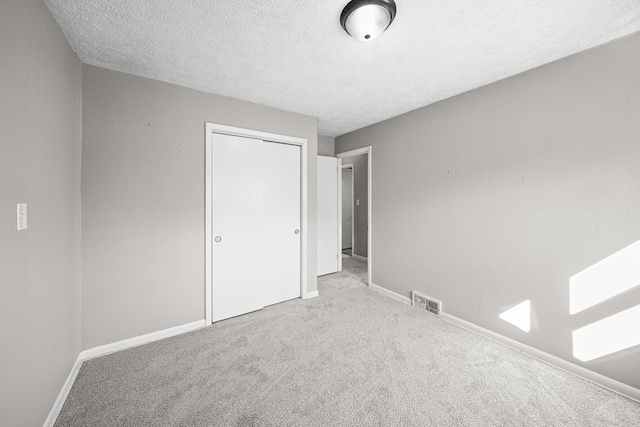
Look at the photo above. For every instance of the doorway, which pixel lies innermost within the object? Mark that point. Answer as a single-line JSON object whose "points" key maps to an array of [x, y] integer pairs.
{"points": [[348, 230], [362, 245]]}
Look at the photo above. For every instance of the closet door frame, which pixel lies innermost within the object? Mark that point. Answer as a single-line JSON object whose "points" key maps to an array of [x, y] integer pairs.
{"points": [[210, 129]]}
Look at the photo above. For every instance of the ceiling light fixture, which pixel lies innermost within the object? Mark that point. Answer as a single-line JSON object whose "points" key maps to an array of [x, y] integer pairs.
{"points": [[366, 19]]}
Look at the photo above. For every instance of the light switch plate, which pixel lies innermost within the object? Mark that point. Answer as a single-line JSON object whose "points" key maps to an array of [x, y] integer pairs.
{"points": [[357, 202], [22, 216]]}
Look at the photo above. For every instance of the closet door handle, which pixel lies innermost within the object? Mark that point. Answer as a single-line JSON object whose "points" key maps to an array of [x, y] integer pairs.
{"points": [[297, 231], [218, 239]]}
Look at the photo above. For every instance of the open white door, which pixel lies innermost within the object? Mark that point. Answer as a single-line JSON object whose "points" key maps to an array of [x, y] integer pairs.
{"points": [[329, 214]]}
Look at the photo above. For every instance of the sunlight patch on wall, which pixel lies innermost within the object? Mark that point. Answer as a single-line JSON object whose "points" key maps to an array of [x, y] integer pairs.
{"points": [[607, 336], [519, 316], [605, 279]]}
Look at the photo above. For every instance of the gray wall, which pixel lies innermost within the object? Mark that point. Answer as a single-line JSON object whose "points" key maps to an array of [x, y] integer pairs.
{"points": [[326, 146], [40, 138], [361, 212], [143, 199], [502, 194]]}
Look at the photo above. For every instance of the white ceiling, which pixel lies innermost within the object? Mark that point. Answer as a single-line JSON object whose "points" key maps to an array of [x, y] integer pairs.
{"points": [[293, 54]]}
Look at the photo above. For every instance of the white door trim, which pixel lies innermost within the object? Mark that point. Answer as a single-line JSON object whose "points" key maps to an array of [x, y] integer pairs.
{"points": [[339, 215], [210, 129], [357, 152]]}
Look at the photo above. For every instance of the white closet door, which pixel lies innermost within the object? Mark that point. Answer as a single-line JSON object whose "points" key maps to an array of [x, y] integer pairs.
{"points": [[281, 222], [237, 226], [328, 214]]}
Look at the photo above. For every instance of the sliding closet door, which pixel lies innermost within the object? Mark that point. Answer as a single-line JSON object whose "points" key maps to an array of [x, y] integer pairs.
{"points": [[256, 224], [237, 226], [281, 222]]}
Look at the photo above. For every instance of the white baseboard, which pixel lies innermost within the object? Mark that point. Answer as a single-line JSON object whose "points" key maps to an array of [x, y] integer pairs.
{"points": [[361, 258], [310, 295], [112, 348], [139, 340], [572, 368], [64, 392], [390, 294]]}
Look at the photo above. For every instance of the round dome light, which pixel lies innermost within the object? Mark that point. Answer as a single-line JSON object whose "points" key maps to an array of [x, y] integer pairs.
{"points": [[366, 19]]}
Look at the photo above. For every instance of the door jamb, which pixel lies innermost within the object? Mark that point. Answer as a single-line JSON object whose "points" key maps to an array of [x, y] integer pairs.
{"points": [[357, 152], [210, 129], [339, 191]]}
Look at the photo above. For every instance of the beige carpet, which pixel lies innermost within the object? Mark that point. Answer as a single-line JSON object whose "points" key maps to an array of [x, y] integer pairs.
{"points": [[351, 357]]}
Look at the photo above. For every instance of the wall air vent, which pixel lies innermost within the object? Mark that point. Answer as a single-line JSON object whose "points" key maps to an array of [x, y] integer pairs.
{"points": [[429, 304]]}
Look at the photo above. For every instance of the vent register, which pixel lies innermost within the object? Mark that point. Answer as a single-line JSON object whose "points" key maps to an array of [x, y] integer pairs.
{"points": [[429, 304]]}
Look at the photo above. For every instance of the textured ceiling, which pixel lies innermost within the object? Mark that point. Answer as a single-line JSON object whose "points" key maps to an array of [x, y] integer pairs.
{"points": [[293, 54]]}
